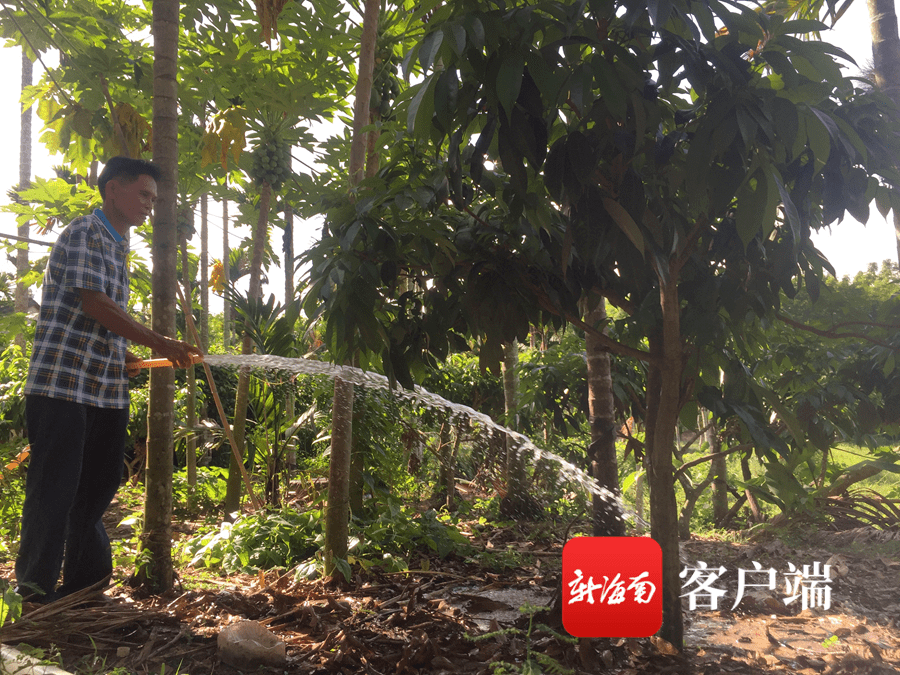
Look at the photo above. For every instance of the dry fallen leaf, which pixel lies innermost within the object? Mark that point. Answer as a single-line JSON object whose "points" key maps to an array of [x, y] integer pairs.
{"points": [[663, 646]]}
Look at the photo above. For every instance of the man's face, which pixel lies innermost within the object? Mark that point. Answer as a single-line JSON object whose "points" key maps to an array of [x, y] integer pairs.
{"points": [[134, 200]]}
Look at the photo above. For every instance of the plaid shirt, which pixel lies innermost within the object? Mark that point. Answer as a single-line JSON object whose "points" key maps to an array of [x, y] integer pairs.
{"points": [[75, 358]]}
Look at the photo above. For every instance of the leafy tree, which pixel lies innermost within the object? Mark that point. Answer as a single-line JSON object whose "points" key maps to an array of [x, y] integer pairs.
{"points": [[670, 157]]}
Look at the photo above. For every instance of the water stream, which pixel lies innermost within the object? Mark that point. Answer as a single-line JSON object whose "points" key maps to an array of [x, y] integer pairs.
{"points": [[301, 366]]}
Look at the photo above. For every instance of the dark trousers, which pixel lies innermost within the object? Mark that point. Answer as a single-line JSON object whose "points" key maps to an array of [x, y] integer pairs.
{"points": [[77, 455]]}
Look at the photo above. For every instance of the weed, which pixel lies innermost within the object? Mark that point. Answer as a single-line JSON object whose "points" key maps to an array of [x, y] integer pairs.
{"points": [[286, 538], [260, 541], [125, 551], [497, 560], [12, 494], [535, 662], [206, 496], [10, 603]]}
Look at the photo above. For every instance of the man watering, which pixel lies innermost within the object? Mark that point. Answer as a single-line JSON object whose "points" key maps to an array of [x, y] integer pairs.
{"points": [[76, 403]]}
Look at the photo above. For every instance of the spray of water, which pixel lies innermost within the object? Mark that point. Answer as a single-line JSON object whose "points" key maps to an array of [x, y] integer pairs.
{"points": [[308, 367]]}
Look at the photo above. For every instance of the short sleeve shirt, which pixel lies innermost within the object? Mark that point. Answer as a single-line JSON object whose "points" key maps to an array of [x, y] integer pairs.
{"points": [[74, 358]]}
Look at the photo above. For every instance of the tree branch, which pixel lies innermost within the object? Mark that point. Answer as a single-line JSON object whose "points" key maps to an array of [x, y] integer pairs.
{"points": [[831, 333], [694, 462], [608, 343], [689, 244]]}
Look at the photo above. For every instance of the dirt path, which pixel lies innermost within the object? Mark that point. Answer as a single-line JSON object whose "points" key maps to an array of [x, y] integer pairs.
{"points": [[422, 622]]}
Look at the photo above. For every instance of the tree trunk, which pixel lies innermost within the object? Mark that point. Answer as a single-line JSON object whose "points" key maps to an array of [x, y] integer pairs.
{"points": [[226, 276], [450, 439], [290, 458], [190, 444], [886, 59], [719, 468], [516, 478], [639, 500], [357, 456], [337, 520], [747, 475], [336, 524], [517, 503], [241, 399], [204, 272], [607, 516], [158, 574], [22, 266], [664, 391]]}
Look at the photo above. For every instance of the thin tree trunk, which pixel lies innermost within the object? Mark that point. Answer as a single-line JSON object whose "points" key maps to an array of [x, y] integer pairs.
{"points": [[886, 59], [449, 447], [357, 456], [226, 276], [719, 492], [665, 375], [338, 509], [204, 272], [607, 516], [158, 574], [515, 461], [22, 266], [747, 475], [190, 445], [517, 503], [241, 400], [639, 500], [337, 521], [290, 459]]}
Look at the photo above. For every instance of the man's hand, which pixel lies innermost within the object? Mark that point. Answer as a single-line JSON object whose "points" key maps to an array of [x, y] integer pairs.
{"points": [[179, 353], [100, 307], [132, 364]]}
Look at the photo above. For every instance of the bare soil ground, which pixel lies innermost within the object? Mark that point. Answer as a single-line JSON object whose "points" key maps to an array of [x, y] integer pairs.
{"points": [[423, 622]]}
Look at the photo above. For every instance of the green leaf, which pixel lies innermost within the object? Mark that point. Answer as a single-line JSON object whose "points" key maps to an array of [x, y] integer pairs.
{"points": [[688, 414], [630, 479], [705, 20], [790, 209], [660, 10], [612, 92], [625, 222], [803, 26], [431, 43], [421, 108], [509, 81], [445, 96], [751, 206], [456, 33], [475, 31], [771, 209], [883, 200], [818, 136]]}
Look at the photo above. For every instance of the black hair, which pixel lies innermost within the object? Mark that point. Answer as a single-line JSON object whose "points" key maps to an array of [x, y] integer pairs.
{"points": [[126, 167]]}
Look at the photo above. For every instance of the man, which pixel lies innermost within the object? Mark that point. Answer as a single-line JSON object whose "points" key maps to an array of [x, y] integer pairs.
{"points": [[76, 404]]}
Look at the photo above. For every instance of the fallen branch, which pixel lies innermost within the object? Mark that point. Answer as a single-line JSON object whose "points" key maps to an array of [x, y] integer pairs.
{"points": [[848, 478]]}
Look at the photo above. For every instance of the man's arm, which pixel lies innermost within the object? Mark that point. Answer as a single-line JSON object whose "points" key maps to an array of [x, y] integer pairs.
{"points": [[108, 314]]}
